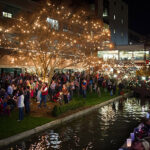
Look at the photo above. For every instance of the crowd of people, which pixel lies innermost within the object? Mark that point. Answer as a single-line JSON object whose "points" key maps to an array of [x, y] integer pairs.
{"points": [[141, 88], [19, 90]]}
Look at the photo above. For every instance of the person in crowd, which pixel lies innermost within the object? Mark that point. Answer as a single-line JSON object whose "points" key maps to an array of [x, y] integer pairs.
{"points": [[65, 93], [69, 97], [39, 95], [28, 83], [52, 89], [95, 87], [59, 85], [104, 86], [11, 102], [84, 87], [6, 107], [77, 87], [99, 91], [56, 97], [71, 90], [21, 105], [68, 85], [14, 89], [114, 88], [44, 92], [10, 89], [91, 84], [36, 88], [120, 88], [32, 88], [27, 99]]}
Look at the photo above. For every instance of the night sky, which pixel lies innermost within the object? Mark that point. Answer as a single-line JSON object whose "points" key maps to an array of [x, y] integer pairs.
{"points": [[139, 16]]}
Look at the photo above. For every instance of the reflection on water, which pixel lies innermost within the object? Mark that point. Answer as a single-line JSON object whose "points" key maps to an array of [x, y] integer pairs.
{"points": [[105, 129]]}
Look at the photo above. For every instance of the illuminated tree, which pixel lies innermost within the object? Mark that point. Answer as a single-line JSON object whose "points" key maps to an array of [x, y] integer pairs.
{"points": [[54, 37]]}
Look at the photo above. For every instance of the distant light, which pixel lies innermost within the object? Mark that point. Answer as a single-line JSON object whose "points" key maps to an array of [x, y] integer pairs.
{"points": [[111, 69], [125, 76], [54, 23], [129, 142], [114, 31], [115, 76], [110, 45], [114, 17], [143, 78], [105, 13]]}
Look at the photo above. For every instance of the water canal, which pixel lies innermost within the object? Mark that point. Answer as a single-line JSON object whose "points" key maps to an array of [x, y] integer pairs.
{"points": [[104, 129]]}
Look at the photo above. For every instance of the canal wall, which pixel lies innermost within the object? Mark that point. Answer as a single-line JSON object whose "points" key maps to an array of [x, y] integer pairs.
{"points": [[17, 137]]}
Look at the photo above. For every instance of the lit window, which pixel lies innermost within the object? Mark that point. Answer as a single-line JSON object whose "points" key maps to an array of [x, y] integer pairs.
{"points": [[54, 23], [114, 17], [122, 21], [105, 13], [6, 14], [114, 31]]}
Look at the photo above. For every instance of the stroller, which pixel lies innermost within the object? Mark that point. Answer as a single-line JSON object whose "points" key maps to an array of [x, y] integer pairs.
{"points": [[57, 97]]}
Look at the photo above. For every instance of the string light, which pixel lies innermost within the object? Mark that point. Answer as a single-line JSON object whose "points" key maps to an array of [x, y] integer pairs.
{"points": [[44, 42]]}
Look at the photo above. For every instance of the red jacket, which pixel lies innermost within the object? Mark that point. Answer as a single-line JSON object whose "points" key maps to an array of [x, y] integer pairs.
{"points": [[45, 91]]}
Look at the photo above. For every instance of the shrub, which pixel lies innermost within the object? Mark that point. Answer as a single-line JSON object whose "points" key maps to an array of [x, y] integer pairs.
{"points": [[57, 110]]}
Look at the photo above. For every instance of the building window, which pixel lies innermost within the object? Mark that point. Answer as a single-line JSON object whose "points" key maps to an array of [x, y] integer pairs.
{"points": [[122, 34], [54, 23], [122, 21], [114, 17], [105, 13], [6, 14], [114, 31]]}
